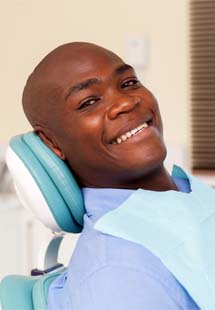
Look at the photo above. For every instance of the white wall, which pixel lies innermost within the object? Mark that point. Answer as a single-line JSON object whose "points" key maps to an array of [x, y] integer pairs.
{"points": [[29, 29]]}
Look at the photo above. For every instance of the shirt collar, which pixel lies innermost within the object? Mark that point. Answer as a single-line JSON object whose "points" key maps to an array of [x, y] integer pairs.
{"points": [[99, 201]]}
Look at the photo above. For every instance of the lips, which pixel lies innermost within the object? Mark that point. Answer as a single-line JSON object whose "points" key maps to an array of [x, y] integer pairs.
{"points": [[128, 134]]}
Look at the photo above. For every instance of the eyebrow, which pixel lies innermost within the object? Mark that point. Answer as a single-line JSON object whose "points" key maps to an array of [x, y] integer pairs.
{"points": [[121, 69], [80, 86], [89, 82]]}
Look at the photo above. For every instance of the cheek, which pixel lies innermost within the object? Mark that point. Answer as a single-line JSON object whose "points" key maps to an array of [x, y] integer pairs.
{"points": [[89, 129], [93, 122], [81, 137]]}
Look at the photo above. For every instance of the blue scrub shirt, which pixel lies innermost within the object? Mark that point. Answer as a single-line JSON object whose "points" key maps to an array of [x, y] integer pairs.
{"points": [[106, 272]]}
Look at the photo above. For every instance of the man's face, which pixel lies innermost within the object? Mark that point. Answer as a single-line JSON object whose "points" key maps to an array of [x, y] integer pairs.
{"points": [[108, 124]]}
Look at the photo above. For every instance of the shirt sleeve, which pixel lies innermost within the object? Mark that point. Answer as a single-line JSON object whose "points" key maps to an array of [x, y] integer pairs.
{"points": [[120, 288]]}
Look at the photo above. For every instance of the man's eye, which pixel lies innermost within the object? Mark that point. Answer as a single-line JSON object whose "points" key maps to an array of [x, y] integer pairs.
{"points": [[88, 103], [130, 83]]}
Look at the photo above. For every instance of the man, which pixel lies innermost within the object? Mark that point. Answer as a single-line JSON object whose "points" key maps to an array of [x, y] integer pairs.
{"points": [[89, 107]]}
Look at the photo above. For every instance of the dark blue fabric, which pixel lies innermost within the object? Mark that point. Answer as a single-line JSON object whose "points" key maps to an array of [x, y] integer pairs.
{"points": [[106, 272]]}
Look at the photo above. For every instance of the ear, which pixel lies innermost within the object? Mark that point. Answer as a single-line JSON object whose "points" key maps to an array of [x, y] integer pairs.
{"points": [[49, 142]]}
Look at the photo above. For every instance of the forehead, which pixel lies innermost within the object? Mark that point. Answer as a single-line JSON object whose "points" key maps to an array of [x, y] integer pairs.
{"points": [[75, 65]]}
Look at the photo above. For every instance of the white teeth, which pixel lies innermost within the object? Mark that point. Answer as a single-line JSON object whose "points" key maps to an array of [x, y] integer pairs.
{"points": [[124, 137], [130, 133]]}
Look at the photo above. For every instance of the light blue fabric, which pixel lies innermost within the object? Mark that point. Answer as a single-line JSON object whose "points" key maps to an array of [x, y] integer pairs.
{"points": [[177, 227], [107, 272]]}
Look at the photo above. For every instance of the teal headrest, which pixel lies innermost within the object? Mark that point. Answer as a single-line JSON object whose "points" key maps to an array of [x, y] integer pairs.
{"points": [[42, 178]]}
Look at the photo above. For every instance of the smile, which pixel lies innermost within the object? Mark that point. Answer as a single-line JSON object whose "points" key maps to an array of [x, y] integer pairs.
{"points": [[129, 134]]}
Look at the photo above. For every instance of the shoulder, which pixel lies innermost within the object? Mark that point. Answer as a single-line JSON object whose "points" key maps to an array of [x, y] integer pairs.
{"points": [[95, 250], [102, 264], [125, 288]]}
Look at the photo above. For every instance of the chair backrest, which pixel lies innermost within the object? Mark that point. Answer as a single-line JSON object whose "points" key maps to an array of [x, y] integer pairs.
{"points": [[26, 293], [45, 185]]}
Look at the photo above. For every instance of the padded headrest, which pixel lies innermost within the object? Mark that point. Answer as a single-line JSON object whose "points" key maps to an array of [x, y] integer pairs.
{"points": [[45, 184]]}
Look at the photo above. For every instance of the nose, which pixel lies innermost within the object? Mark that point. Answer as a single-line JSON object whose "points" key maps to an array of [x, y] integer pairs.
{"points": [[121, 105]]}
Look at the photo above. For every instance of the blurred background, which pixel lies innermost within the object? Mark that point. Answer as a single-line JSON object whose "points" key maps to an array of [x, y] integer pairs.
{"points": [[154, 36]]}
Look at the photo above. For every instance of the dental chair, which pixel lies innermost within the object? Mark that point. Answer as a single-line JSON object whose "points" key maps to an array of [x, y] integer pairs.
{"points": [[44, 184]]}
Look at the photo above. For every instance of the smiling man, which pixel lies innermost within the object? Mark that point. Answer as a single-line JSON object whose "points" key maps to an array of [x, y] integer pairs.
{"points": [[89, 107]]}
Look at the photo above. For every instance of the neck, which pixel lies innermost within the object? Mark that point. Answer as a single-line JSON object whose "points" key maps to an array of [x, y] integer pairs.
{"points": [[157, 179]]}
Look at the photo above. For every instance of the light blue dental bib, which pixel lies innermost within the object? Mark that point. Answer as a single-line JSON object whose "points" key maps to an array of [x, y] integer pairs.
{"points": [[177, 227]]}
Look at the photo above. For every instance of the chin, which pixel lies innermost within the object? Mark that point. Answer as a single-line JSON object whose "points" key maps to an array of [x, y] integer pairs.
{"points": [[149, 160]]}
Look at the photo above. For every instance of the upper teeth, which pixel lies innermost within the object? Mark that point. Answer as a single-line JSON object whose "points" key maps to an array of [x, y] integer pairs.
{"points": [[130, 133]]}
